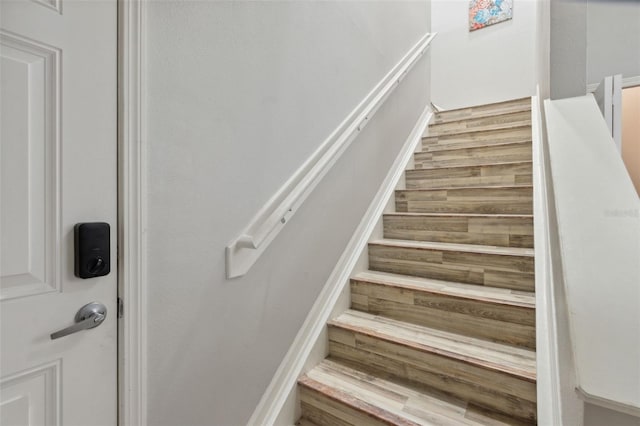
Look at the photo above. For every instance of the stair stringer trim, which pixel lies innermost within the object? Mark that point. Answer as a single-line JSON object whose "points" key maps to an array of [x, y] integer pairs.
{"points": [[279, 404]]}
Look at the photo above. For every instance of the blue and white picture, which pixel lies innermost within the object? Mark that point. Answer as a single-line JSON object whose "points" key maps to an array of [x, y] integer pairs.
{"points": [[483, 13]]}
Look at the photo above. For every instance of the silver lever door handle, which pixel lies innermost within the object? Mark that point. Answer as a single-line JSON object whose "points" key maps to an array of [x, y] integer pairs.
{"points": [[89, 316]]}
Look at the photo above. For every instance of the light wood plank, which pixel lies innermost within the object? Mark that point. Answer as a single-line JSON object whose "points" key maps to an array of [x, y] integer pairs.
{"points": [[349, 396], [500, 174], [483, 200], [488, 294], [482, 155], [482, 123], [495, 230], [499, 377], [477, 138], [482, 265], [479, 111], [519, 363], [437, 308]]}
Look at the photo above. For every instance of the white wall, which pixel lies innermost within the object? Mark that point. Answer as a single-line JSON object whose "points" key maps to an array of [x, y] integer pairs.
{"points": [[568, 36], [239, 94], [613, 42], [488, 65], [543, 48]]}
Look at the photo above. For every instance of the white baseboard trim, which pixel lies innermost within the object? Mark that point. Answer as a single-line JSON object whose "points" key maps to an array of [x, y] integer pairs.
{"points": [[292, 365]]}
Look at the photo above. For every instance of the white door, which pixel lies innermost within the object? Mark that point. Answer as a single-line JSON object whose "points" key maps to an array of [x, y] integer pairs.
{"points": [[58, 138]]}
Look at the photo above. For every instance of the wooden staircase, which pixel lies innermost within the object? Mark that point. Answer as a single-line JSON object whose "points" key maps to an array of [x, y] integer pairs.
{"points": [[441, 329]]}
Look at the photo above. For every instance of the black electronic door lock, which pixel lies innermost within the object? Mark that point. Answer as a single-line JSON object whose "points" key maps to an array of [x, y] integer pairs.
{"points": [[92, 249]]}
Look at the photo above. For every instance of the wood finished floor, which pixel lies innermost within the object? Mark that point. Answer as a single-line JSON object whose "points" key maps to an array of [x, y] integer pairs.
{"points": [[441, 329]]}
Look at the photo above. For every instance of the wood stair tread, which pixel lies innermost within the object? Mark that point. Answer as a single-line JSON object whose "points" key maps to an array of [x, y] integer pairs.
{"points": [[432, 148], [500, 199], [387, 402], [439, 119], [445, 117], [500, 121], [469, 248], [503, 126], [510, 360], [445, 149], [467, 156], [466, 187], [477, 134], [489, 229], [466, 166], [469, 186], [488, 294], [488, 215], [489, 107], [476, 139]]}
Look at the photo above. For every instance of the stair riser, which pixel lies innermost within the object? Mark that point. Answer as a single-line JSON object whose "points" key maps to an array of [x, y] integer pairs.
{"points": [[476, 139], [500, 323], [467, 200], [483, 386], [460, 177], [474, 156], [498, 231], [323, 410], [303, 421], [482, 111], [514, 272], [483, 123]]}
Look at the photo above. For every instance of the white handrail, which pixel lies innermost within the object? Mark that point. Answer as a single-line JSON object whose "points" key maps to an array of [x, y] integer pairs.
{"points": [[245, 249]]}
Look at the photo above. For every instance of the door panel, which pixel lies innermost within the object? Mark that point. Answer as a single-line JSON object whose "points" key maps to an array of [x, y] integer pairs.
{"points": [[30, 397], [58, 167], [29, 153]]}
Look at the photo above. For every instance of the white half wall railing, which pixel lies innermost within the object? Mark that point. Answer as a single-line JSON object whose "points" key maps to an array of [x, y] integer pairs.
{"points": [[246, 248], [598, 219], [548, 382], [608, 95], [557, 401]]}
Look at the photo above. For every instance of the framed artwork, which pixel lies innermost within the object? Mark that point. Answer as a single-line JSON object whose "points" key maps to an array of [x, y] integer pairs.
{"points": [[483, 13]]}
